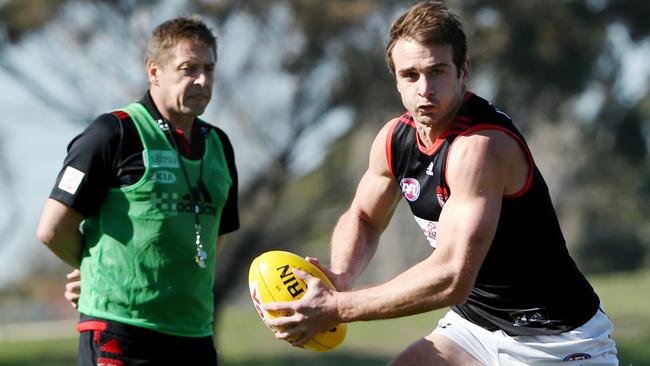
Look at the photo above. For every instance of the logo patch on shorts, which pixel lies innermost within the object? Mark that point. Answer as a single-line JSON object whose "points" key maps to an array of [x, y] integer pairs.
{"points": [[577, 357], [112, 346]]}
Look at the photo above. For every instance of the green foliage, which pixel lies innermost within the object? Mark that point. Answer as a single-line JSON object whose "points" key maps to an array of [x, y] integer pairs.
{"points": [[611, 251], [22, 16], [539, 55]]}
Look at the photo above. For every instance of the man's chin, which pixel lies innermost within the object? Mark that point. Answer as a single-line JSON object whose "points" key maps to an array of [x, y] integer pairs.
{"points": [[194, 111], [425, 120]]}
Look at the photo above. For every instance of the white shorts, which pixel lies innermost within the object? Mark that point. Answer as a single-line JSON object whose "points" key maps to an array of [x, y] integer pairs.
{"points": [[589, 344]]}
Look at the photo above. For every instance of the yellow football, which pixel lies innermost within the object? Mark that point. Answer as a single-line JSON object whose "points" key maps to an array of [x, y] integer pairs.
{"points": [[271, 279]]}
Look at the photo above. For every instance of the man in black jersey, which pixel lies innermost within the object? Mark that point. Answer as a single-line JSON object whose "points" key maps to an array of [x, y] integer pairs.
{"points": [[142, 205], [500, 260]]}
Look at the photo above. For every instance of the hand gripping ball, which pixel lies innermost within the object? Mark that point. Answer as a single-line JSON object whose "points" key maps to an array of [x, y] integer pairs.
{"points": [[271, 279]]}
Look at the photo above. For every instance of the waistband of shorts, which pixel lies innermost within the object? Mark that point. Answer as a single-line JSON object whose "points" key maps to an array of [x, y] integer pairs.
{"points": [[89, 323]]}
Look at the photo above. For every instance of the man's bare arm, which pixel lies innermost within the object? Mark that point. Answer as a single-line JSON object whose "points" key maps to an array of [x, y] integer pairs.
{"points": [[59, 231]]}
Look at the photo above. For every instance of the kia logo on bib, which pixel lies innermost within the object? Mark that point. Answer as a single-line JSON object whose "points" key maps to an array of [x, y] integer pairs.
{"points": [[410, 188]]}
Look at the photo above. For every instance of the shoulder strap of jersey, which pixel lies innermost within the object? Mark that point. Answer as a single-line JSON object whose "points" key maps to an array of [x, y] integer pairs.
{"points": [[395, 129], [152, 133]]}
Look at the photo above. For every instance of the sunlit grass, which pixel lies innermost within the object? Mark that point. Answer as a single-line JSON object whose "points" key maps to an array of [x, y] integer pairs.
{"points": [[625, 297], [244, 340]]}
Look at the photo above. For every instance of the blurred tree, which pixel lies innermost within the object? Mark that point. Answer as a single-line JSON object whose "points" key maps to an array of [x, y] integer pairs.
{"points": [[8, 195], [23, 16], [541, 56], [536, 59], [275, 211]]}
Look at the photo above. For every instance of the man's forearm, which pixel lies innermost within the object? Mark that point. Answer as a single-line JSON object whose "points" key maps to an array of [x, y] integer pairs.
{"points": [[68, 249], [59, 231], [354, 243]]}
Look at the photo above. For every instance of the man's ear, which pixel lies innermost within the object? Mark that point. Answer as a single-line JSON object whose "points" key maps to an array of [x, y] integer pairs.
{"points": [[152, 73], [465, 71]]}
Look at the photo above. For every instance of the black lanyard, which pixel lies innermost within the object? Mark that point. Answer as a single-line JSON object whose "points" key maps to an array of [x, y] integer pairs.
{"points": [[195, 196]]}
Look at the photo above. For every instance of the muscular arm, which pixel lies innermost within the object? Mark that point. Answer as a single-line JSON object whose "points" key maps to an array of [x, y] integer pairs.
{"points": [[481, 168], [356, 235], [58, 229]]}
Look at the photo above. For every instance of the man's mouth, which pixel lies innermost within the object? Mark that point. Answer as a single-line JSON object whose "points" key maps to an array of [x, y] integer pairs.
{"points": [[426, 108]]}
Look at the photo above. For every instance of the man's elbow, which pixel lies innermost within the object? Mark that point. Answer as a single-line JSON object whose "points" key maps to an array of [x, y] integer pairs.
{"points": [[58, 224], [50, 235], [458, 296], [46, 234], [460, 288]]}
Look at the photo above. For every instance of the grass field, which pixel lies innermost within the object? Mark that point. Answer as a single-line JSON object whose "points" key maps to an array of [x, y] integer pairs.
{"points": [[243, 339]]}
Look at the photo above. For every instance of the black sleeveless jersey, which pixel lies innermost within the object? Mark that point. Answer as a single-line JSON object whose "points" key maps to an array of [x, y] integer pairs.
{"points": [[528, 284]]}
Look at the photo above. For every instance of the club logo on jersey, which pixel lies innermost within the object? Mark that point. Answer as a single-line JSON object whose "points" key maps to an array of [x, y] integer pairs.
{"points": [[577, 357], [442, 194], [410, 188]]}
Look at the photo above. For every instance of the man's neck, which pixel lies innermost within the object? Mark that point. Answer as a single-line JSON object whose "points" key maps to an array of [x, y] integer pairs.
{"points": [[183, 124], [175, 120], [430, 133]]}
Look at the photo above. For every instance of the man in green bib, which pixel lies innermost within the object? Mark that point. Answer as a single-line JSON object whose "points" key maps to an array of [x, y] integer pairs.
{"points": [[142, 205]]}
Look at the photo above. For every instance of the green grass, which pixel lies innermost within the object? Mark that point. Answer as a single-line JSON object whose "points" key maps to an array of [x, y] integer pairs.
{"points": [[625, 297], [366, 343], [60, 352], [243, 340]]}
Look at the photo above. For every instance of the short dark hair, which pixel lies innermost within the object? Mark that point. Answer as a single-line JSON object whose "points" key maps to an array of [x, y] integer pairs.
{"points": [[166, 35], [429, 23]]}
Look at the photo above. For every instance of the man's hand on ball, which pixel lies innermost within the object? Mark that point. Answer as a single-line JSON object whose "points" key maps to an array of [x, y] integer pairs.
{"points": [[340, 283], [314, 313]]}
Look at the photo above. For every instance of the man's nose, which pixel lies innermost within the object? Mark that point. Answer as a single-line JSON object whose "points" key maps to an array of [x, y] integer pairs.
{"points": [[425, 86], [203, 77]]}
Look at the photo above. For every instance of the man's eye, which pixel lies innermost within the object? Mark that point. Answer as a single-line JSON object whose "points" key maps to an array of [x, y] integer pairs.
{"points": [[188, 69], [437, 72], [410, 75]]}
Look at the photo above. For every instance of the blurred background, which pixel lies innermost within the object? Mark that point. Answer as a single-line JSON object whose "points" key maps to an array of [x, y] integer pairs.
{"points": [[302, 88]]}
